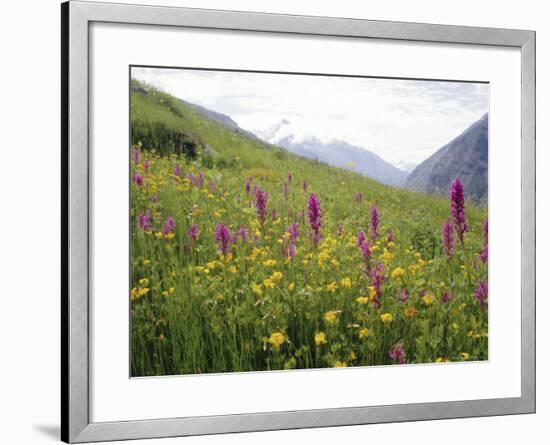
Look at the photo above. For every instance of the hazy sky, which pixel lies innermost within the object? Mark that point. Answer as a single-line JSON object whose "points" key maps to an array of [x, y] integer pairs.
{"points": [[400, 120]]}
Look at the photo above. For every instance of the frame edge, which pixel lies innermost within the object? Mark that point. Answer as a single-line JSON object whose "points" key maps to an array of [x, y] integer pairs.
{"points": [[75, 424]]}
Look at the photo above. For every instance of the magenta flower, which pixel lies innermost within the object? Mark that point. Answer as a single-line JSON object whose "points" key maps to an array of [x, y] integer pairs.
{"points": [[304, 186], [378, 278], [484, 255], [146, 165], [290, 250], [200, 179], [397, 354], [138, 179], [285, 190], [446, 297], [177, 170], [363, 245], [361, 238], [223, 238], [402, 295], [197, 181], [482, 294], [274, 215], [261, 204], [136, 156], [169, 225], [457, 208], [289, 178], [448, 238], [294, 231], [389, 239], [193, 232], [373, 222], [144, 220], [315, 215], [247, 186], [243, 233]]}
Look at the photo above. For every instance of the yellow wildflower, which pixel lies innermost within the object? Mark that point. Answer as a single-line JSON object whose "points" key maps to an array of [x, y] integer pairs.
{"points": [[364, 333], [146, 262], [386, 256], [276, 339], [140, 292], [330, 316], [346, 282], [465, 355], [268, 283], [256, 289], [386, 318], [339, 364], [398, 272], [291, 286], [269, 263], [352, 355], [276, 275], [335, 262], [323, 256], [143, 282], [320, 338], [362, 300], [331, 287], [169, 291], [428, 299], [233, 269]]}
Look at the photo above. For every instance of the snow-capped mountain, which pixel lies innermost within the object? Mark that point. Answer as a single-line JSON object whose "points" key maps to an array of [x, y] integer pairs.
{"points": [[334, 152], [405, 166]]}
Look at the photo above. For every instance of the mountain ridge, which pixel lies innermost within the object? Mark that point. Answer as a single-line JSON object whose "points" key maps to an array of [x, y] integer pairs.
{"points": [[465, 156], [336, 152]]}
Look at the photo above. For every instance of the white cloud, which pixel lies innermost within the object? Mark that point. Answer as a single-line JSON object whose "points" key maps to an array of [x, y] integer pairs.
{"points": [[400, 120]]}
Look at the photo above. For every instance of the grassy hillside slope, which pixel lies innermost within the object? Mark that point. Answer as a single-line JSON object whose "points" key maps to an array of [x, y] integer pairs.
{"points": [[215, 286]]}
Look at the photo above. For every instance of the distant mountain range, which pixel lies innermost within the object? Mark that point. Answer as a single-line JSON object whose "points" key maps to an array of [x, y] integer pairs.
{"points": [[465, 157], [335, 152]]}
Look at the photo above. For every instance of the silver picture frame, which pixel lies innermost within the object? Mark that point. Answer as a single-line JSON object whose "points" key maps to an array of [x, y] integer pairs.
{"points": [[76, 226]]}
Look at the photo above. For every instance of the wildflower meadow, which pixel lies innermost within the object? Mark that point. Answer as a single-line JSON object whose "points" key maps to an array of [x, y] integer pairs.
{"points": [[245, 257]]}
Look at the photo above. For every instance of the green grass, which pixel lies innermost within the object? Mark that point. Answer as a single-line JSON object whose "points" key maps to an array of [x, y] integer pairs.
{"points": [[195, 311]]}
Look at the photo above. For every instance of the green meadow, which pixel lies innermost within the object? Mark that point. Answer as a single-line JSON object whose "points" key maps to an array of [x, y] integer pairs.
{"points": [[220, 284]]}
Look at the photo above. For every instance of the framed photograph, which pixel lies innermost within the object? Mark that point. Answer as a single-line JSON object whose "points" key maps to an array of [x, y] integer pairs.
{"points": [[276, 222]]}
